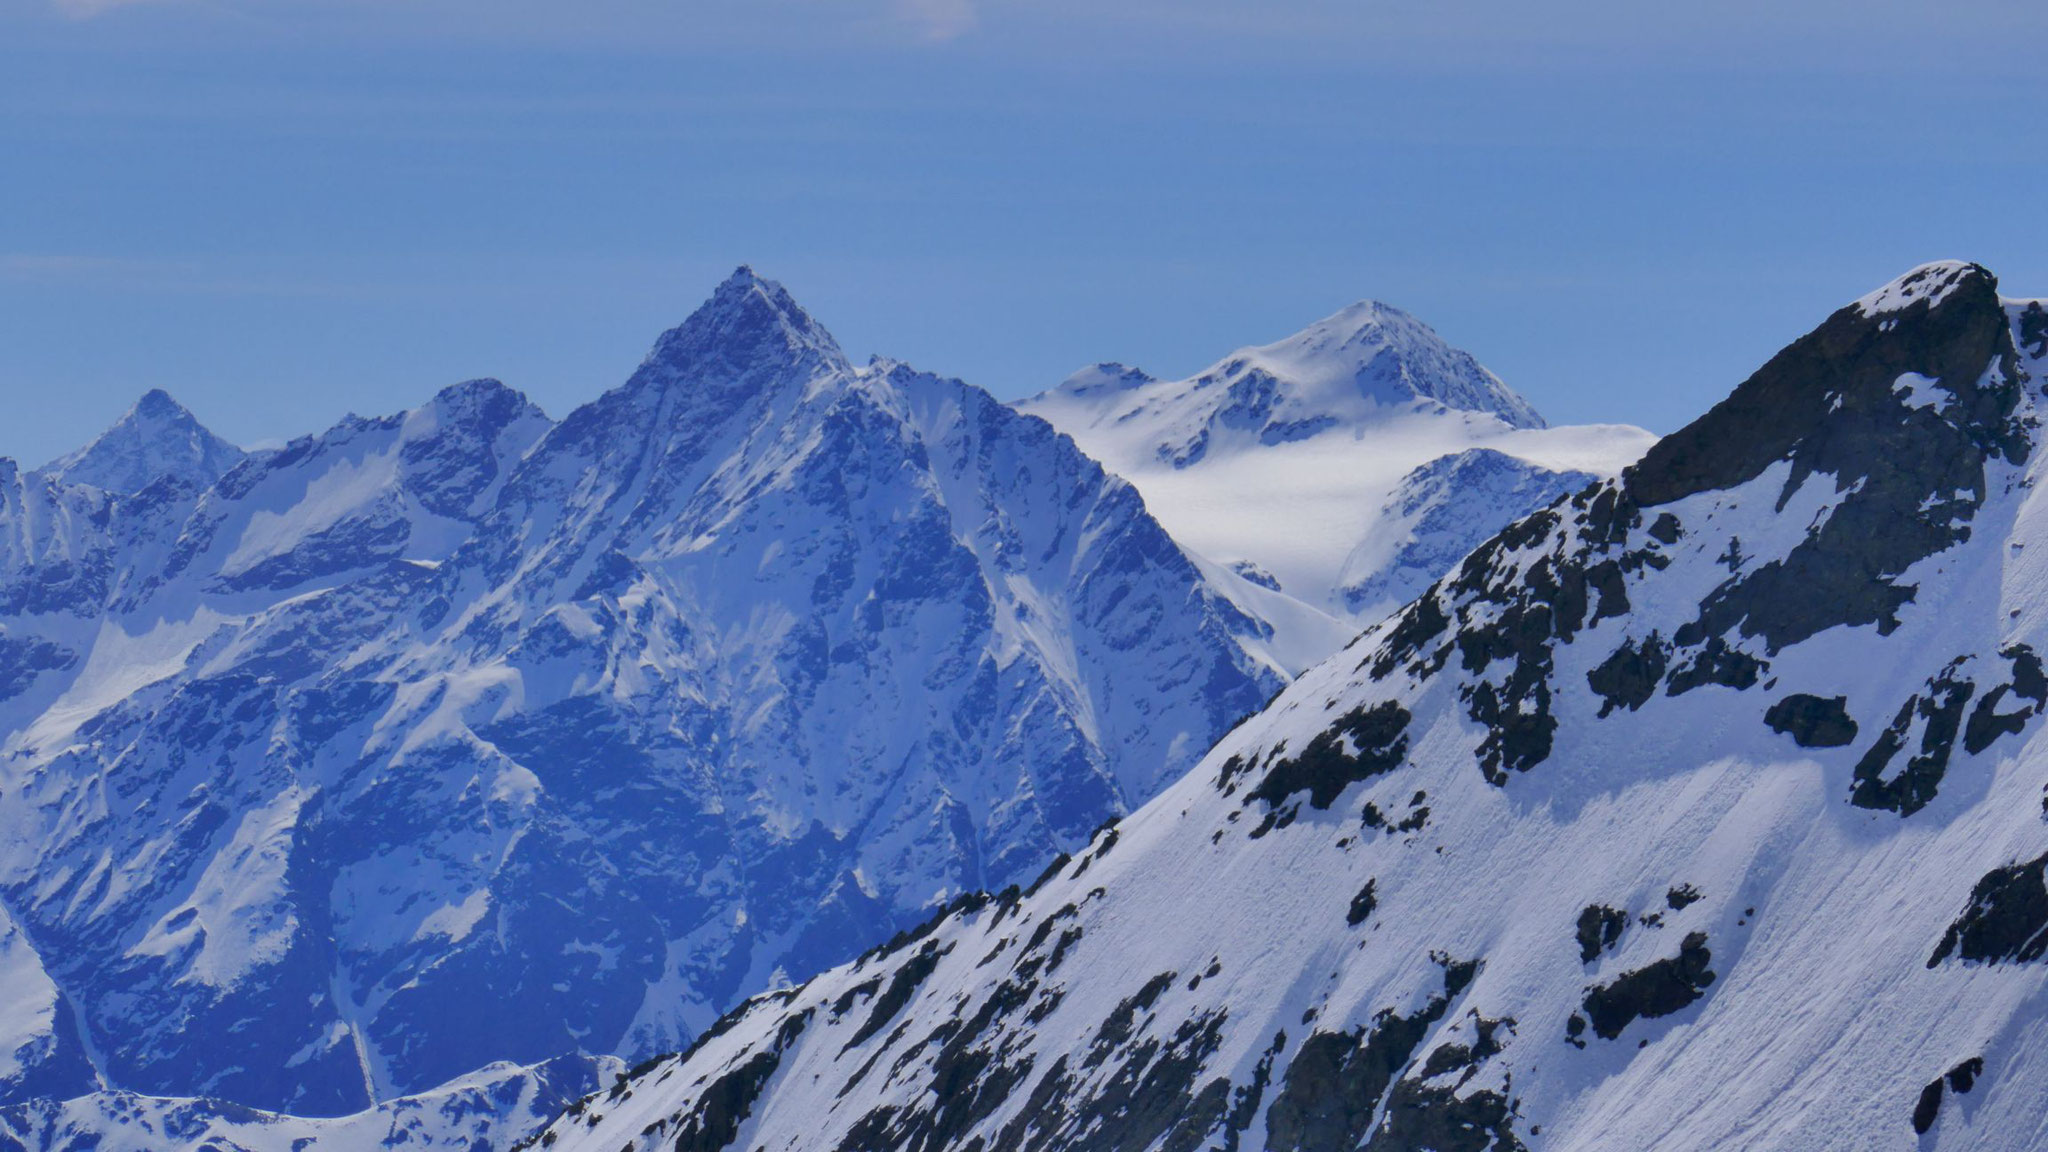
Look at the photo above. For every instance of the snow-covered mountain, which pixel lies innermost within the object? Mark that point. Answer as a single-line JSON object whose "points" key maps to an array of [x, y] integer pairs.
{"points": [[492, 1108], [1301, 464], [461, 735], [1437, 514], [157, 440], [1701, 810]]}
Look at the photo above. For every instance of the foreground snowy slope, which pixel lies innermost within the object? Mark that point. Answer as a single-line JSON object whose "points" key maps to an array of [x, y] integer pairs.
{"points": [[1305, 464], [1702, 809], [463, 735]]}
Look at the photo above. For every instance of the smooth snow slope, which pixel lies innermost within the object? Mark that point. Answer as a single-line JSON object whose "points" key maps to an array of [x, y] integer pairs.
{"points": [[1703, 810], [1290, 462], [463, 735]]}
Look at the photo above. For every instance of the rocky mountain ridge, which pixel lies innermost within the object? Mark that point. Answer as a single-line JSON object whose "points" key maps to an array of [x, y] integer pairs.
{"points": [[1700, 809], [465, 735]]}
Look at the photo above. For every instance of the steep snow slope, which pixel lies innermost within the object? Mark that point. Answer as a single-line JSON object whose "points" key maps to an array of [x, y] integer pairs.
{"points": [[1292, 462], [461, 736], [1700, 810]]}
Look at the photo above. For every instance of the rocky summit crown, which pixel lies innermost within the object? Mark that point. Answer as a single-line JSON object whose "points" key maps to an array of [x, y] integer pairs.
{"points": [[748, 326]]}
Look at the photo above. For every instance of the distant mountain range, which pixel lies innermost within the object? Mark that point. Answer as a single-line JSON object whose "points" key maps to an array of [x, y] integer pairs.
{"points": [[1699, 810], [332, 774]]}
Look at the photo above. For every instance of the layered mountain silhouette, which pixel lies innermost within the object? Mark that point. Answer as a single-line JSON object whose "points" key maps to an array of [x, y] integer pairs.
{"points": [[334, 772], [1702, 808]]}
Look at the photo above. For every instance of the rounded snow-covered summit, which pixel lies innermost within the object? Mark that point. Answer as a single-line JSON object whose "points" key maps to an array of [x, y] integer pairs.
{"points": [[1690, 747], [1386, 356], [1929, 284], [1360, 366], [1287, 456]]}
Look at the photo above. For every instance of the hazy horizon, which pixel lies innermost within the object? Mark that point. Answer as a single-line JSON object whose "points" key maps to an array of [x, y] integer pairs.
{"points": [[283, 212]]}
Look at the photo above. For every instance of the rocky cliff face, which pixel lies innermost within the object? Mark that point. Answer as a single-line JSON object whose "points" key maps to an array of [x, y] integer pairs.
{"points": [[1702, 809], [463, 735]]}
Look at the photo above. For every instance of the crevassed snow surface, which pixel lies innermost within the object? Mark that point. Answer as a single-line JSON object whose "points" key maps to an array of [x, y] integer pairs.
{"points": [[1702, 810]]}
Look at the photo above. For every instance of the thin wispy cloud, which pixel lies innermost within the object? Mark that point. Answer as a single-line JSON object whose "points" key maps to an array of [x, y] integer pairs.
{"points": [[57, 266], [1491, 32], [937, 20], [86, 9], [175, 277], [934, 21]]}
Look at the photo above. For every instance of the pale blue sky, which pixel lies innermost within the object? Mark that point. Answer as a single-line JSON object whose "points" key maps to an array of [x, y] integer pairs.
{"points": [[283, 210]]}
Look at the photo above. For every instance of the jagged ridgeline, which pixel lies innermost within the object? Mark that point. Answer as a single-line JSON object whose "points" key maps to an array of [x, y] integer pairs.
{"points": [[336, 771], [1701, 810]]}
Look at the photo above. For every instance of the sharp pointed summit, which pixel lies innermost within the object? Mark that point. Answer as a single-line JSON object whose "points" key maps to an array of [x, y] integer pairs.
{"points": [[749, 326], [559, 737], [155, 439]]}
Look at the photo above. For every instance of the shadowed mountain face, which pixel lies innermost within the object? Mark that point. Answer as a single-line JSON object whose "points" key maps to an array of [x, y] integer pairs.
{"points": [[1437, 515], [462, 735], [1700, 809], [494, 1107]]}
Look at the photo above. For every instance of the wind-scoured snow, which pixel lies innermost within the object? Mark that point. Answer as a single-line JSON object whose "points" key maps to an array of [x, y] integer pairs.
{"points": [[1699, 810], [1928, 284], [1287, 458]]}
